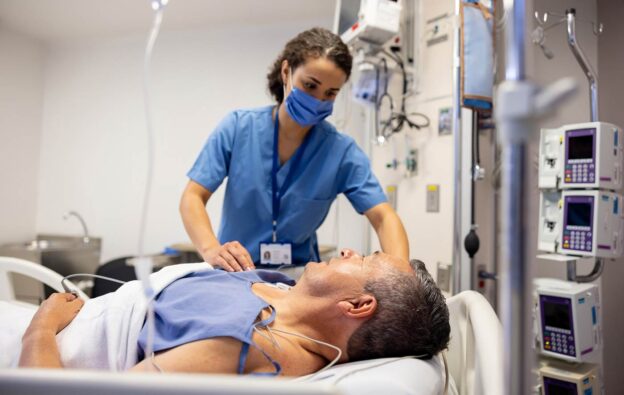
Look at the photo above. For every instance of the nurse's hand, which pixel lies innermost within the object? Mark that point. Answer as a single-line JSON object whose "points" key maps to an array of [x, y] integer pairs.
{"points": [[231, 256]]}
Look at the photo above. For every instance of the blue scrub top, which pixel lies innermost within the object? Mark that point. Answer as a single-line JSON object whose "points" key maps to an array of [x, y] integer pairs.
{"points": [[241, 149]]}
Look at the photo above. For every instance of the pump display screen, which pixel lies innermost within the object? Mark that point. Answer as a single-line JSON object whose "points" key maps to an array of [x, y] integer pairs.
{"points": [[581, 147], [579, 214], [558, 387], [556, 315]]}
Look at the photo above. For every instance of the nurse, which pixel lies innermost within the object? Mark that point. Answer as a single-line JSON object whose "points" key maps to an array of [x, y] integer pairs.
{"points": [[285, 165]]}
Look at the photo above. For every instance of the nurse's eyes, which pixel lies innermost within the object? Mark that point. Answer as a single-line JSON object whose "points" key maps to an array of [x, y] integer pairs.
{"points": [[310, 87]]}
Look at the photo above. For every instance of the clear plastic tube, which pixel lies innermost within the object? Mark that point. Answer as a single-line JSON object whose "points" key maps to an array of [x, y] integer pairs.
{"points": [[143, 264]]}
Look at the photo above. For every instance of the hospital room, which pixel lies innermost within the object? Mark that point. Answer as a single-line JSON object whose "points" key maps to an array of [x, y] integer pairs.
{"points": [[406, 197]]}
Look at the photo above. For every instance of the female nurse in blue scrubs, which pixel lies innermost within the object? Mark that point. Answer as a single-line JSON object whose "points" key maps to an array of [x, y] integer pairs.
{"points": [[284, 166]]}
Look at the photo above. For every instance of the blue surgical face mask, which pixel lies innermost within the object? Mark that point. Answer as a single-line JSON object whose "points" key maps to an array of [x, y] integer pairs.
{"points": [[306, 109]]}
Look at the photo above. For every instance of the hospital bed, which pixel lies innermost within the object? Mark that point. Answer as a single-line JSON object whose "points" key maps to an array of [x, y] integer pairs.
{"points": [[474, 361]]}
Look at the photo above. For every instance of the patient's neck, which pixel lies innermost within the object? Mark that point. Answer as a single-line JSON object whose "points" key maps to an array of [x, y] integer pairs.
{"points": [[309, 316]]}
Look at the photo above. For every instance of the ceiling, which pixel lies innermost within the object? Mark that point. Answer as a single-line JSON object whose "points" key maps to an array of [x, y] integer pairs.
{"points": [[54, 21]]}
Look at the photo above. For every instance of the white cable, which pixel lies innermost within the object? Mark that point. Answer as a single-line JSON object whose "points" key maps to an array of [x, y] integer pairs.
{"points": [[329, 365], [67, 289]]}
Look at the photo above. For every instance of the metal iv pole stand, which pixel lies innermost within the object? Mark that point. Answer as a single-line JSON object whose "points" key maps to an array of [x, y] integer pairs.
{"points": [[518, 104]]}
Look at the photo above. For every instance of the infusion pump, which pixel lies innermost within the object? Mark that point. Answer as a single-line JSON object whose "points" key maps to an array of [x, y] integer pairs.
{"points": [[558, 379], [582, 223], [584, 155], [568, 319]]}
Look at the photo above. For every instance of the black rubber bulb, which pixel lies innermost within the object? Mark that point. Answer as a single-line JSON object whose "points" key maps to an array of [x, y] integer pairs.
{"points": [[471, 243]]}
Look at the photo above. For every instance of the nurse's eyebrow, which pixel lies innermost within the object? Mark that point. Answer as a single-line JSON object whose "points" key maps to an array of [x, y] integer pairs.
{"points": [[320, 83]]}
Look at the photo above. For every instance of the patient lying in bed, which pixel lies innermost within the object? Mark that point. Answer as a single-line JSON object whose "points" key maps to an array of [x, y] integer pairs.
{"points": [[213, 321]]}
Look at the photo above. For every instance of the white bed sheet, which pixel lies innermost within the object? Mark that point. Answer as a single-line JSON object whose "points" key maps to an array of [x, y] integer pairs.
{"points": [[14, 319]]}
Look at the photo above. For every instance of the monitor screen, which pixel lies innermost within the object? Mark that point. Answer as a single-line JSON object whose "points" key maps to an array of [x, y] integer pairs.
{"points": [[581, 147], [556, 387], [579, 214], [349, 10], [556, 315]]}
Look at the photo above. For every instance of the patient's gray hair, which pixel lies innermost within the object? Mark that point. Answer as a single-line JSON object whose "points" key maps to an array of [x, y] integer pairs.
{"points": [[411, 318]]}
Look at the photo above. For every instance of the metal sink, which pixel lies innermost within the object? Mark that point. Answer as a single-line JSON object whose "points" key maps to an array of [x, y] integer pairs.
{"points": [[64, 254]]}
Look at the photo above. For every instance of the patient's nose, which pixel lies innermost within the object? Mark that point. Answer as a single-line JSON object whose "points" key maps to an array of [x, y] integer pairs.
{"points": [[347, 253]]}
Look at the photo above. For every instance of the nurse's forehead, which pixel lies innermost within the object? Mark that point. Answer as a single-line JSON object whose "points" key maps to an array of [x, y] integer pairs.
{"points": [[322, 67]]}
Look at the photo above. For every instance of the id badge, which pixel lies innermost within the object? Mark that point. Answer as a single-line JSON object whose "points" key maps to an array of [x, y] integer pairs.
{"points": [[276, 253]]}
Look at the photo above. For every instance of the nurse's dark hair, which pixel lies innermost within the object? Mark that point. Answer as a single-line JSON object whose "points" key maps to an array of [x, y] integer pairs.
{"points": [[316, 42], [411, 318]]}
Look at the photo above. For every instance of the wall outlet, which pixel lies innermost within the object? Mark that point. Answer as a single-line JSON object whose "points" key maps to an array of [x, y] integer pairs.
{"points": [[433, 198]]}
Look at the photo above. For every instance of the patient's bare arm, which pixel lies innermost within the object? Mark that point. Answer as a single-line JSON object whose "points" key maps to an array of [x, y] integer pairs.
{"points": [[39, 349], [216, 355]]}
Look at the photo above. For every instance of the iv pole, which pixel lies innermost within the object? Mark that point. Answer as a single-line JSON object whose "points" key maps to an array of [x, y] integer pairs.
{"points": [[519, 103]]}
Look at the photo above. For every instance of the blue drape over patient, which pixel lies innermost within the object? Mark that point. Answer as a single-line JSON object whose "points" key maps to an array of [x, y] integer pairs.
{"points": [[210, 304]]}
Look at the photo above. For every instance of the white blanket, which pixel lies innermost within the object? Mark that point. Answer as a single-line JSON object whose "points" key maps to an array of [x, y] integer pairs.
{"points": [[104, 334]]}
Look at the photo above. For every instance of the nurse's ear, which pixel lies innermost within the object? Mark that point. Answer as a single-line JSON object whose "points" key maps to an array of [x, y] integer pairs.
{"points": [[285, 73]]}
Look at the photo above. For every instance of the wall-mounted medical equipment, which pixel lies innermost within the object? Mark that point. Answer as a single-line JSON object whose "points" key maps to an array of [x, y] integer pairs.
{"points": [[579, 379], [568, 319], [584, 155], [584, 223], [367, 22]]}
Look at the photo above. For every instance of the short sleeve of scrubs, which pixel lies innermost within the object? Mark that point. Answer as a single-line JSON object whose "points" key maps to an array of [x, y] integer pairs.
{"points": [[213, 163], [357, 181]]}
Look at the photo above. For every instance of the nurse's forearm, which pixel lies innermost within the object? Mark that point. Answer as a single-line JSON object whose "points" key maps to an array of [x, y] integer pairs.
{"points": [[389, 229], [196, 220], [199, 228]]}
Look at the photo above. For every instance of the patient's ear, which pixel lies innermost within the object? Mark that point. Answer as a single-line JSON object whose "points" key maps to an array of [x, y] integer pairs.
{"points": [[362, 306]]}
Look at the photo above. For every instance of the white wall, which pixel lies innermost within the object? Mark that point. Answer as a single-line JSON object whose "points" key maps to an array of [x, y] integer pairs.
{"points": [[21, 94], [430, 234], [93, 144]]}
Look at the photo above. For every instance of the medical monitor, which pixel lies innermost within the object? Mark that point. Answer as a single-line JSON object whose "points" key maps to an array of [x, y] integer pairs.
{"points": [[559, 387], [582, 155], [568, 319], [580, 160], [367, 24], [557, 329], [567, 379], [347, 15], [578, 214]]}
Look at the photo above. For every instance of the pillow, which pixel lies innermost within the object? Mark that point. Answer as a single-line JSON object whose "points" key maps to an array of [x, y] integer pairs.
{"points": [[397, 376]]}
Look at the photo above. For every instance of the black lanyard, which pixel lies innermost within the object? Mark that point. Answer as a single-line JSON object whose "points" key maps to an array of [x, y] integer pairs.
{"points": [[277, 195]]}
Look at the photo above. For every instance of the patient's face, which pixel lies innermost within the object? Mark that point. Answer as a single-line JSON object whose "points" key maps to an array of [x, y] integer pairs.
{"points": [[348, 273]]}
